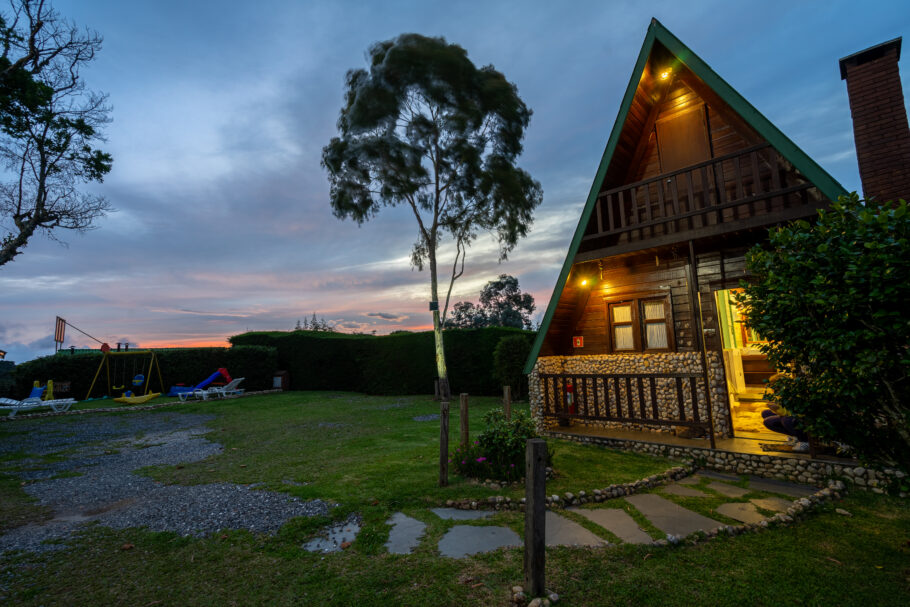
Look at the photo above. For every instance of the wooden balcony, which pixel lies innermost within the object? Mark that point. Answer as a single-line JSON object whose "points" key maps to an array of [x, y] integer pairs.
{"points": [[751, 188]]}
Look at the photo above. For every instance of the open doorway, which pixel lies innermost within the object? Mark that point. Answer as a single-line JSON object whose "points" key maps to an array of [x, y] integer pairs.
{"points": [[746, 370]]}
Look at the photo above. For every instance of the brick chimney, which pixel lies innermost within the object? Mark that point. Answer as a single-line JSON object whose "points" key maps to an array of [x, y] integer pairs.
{"points": [[880, 128]]}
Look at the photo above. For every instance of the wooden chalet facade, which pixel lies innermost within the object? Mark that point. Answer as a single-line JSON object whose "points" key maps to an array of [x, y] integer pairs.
{"points": [[641, 332]]}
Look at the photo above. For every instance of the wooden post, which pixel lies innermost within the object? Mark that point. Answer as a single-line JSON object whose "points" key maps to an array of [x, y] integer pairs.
{"points": [[435, 389], [463, 416], [507, 401], [535, 516], [444, 443]]}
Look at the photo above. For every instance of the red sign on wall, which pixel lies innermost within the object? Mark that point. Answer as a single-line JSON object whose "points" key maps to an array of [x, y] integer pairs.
{"points": [[578, 341]]}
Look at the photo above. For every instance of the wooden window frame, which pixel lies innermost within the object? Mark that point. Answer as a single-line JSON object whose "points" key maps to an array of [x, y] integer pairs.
{"points": [[638, 323]]}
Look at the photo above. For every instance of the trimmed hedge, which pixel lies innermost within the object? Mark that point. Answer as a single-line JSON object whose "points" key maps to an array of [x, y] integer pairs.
{"points": [[256, 364], [403, 363]]}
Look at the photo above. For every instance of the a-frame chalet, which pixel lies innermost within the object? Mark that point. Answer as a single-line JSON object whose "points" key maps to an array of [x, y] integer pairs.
{"points": [[641, 319]]}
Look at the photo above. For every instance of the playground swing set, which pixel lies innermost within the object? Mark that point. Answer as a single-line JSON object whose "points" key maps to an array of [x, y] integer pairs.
{"points": [[144, 365]]}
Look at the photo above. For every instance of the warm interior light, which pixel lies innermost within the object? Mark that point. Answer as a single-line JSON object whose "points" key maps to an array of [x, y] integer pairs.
{"points": [[665, 74], [584, 282]]}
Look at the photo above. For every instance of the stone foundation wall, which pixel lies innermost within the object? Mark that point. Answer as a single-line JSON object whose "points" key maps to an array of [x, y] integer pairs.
{"points": [[797, 470], [671, 362]]}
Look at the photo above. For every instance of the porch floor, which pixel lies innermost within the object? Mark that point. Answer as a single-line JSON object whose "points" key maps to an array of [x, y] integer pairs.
{"points": [[749, 446]]}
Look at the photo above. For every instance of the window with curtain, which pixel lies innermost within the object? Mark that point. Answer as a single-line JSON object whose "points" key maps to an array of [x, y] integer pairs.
{"points": [[640, 324]]}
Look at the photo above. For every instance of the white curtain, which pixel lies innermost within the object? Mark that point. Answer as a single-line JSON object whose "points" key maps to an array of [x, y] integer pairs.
{"points": [[622, 338], [622, 313], [654, 310], [656, 335]]}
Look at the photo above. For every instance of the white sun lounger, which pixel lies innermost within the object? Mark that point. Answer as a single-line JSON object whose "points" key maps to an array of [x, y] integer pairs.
{"points": [[230, 389], [15, 406]]}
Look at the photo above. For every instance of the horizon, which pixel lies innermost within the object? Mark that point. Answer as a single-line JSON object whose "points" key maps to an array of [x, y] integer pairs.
{"points": [[220, 115]]}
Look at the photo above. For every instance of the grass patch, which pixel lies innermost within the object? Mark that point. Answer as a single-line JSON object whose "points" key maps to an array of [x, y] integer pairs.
{"points": [[371, 457], [16, 506]]}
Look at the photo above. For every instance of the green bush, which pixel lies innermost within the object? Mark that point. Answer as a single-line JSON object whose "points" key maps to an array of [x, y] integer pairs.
{"points": [[499, 451], [831, 299], [509, 360], [403, 363]]}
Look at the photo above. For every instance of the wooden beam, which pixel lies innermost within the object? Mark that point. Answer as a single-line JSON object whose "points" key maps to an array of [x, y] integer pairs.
{"points": [[645, 138]]}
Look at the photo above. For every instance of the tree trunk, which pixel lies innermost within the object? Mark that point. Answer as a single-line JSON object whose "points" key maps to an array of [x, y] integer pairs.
{"points": [[444, 390]]}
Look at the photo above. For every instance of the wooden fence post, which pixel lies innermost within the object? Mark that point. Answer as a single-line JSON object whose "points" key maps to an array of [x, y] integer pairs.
{"points": [[463, 416], [507, 401], [435, 389], [444, 443], [535, 516]]}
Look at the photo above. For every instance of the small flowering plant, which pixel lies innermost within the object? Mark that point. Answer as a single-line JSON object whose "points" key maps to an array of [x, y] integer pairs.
{"points": [[499, 450]]}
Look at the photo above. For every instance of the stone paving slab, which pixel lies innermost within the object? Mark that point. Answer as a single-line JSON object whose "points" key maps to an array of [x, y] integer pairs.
{"points": [[690, 480], [455, 514], [405, 533], [783, 487], [744, 513], [464, 540], [618, 522], [682, 490], [560, 531], [670, 518], [728, 490], [776, 504]]}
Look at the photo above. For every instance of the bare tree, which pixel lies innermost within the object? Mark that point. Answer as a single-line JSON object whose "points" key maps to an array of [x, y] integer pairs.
{"points": [[49, 124]]}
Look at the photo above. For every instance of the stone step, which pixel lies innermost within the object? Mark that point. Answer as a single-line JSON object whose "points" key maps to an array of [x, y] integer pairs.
{"points": [[464, 540], [405, 533], [744, 513], [618, 522], [670, 518], [560, 531]]}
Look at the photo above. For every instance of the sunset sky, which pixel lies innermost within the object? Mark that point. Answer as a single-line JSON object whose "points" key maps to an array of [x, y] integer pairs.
{"points": [[221, 110]]}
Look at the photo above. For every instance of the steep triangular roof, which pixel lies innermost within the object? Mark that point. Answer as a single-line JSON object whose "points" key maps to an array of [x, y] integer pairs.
{"points": [[657, 33]]}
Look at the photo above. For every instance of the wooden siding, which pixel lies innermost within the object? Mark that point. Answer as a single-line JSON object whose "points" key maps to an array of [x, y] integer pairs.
{"points": [[719, 266]]}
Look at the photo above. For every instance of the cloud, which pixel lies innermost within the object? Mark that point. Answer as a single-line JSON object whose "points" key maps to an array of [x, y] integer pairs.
{"points": [[387, 316]]}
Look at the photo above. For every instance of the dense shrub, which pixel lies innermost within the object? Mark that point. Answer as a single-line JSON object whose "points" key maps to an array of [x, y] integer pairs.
{"points": [[499, 451], [509, 359], [403, 363], [186, 365], [831, 299]]}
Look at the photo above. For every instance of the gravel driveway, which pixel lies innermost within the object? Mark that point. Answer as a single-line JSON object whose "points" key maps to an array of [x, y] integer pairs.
{"points": [[95, 479]]}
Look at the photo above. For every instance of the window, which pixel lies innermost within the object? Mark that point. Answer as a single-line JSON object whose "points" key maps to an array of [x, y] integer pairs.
{"points": [[640, 323]]}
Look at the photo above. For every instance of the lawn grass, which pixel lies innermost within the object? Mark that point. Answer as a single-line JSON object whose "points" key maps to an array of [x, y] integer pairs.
{"points": [[370, 456]]}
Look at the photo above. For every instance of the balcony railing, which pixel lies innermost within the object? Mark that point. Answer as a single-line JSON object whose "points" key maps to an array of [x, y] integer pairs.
{"points": [[653, 399], [711, 196]]}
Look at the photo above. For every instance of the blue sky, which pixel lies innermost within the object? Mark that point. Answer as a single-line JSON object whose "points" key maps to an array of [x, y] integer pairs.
{"points": [[221, 109]]}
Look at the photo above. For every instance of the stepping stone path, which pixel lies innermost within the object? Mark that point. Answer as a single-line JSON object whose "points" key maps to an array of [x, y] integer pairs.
{"points": [[618, 522], [672, 519], [405, 534], [669, 517]]}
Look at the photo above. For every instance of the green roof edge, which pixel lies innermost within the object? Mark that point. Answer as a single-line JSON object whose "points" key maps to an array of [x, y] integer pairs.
{"points": [[656, 31]]}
